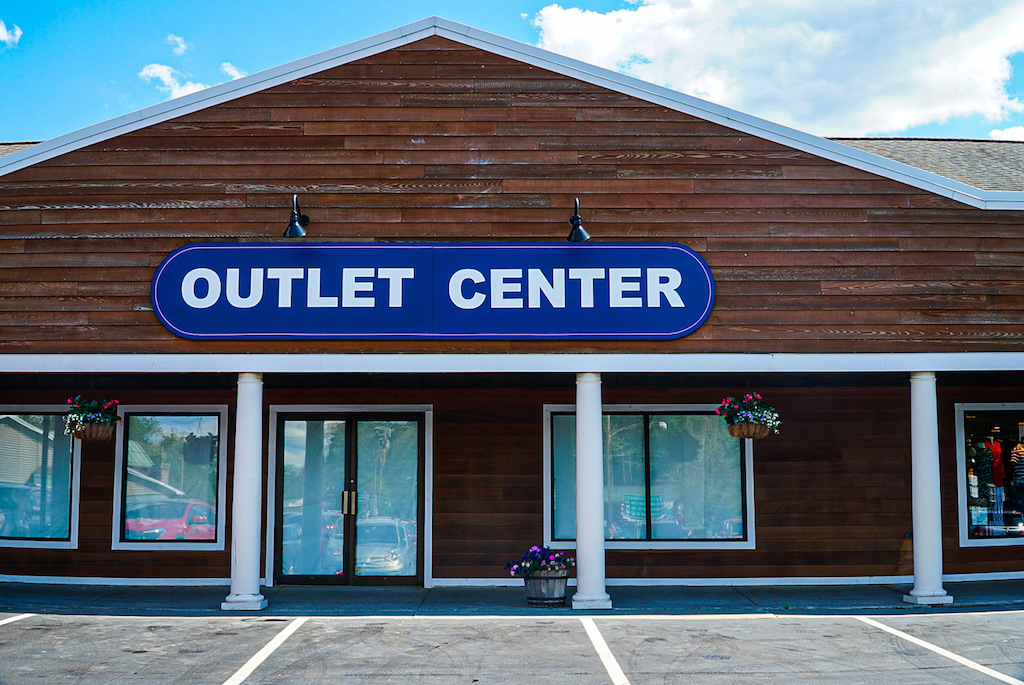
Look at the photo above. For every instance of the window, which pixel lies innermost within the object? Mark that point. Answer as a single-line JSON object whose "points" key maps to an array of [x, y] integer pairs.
{"points": [[38, 479], [170, 479], [990, 473], [673, 479]]}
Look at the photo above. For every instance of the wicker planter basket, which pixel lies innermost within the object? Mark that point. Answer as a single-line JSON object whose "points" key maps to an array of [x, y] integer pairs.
{"points": [[745, 429], [95, 432], [546, 589]]}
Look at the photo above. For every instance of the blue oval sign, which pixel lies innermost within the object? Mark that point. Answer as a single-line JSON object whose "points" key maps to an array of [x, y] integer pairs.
{"points": [[432, 291]]}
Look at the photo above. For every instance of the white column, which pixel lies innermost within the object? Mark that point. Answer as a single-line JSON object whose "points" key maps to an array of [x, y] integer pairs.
{"points": [[246, 497], [927, 502], [590, 590]]}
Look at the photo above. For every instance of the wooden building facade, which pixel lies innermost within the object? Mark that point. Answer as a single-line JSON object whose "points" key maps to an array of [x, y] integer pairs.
{"points": [[842, 279]]}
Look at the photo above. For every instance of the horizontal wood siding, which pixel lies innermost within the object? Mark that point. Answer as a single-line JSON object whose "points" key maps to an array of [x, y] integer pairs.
{"points": [[832, 491], [94, 557], [436, 141]]}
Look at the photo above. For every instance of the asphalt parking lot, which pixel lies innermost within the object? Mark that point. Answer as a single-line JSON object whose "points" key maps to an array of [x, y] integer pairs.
{"points": [[955, 647]]}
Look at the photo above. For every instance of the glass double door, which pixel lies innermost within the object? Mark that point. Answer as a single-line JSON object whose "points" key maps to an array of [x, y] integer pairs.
{"points": [[349, 502]]}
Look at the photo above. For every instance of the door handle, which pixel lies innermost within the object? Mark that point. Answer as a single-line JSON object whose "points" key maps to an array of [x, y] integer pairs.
{"points": [[348, 502]]}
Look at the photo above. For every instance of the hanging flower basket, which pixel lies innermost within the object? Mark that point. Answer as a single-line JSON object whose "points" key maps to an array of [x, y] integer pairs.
{"points": [[92, 420], [746, 429], [749, 416], [95, 432]]}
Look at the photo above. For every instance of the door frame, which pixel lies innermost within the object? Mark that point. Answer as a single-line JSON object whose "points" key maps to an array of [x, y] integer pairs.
{"points": [[426, 410]]}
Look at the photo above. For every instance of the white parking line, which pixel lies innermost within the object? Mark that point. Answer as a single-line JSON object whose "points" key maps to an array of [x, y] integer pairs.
{"points": [[261, 656], [12, 619], [607, 658], [942, 652]]}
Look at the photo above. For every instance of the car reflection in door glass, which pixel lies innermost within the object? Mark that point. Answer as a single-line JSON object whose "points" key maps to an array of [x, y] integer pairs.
{"points": [[385, 547]]}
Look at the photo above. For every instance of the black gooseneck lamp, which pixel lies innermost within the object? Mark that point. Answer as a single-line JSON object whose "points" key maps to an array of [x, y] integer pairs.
{"points": [[297, 221], [577, 234]]}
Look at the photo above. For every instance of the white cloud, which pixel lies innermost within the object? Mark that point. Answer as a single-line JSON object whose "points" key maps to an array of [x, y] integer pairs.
{"points": [[1012, 133], [829, 68], [10, 37], [177, 43], [170, 80], [231, 70]]}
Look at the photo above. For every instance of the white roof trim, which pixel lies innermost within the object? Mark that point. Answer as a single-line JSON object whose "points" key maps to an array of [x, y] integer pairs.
{"points": [[905, 362], [435, 26]]}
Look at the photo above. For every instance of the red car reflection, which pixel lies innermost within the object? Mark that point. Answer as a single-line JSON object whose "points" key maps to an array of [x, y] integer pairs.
{"points": [[172, 519]]}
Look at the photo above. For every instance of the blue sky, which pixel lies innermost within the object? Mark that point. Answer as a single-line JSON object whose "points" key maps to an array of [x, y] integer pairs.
{"points": [[945, 68]]}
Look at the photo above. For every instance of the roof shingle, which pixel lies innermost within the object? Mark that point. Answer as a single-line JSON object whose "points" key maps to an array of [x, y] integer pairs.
{"points": [[984, 164]]}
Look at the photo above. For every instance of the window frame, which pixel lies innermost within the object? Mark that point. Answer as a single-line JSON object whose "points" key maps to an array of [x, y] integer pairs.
{"points": [[724, 544], [74, 500], [963, 513], [426, 471], [120, 491]]}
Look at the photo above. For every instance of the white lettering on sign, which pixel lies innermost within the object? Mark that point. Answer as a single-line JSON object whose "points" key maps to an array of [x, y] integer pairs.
{"points": [[632, 287], [394, 277], [255, 289], [455, 289], [188, 288], [284, 277], [618, 286], [663, 282], [553, 290], [314, 298], [586, 277], [505, 282], [354, 282], [505, 287]]}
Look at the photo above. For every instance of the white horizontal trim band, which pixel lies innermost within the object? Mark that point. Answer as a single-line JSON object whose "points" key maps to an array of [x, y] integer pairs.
{"points": [[742, 582], [516, 582], [136, 582], [512, 363]]}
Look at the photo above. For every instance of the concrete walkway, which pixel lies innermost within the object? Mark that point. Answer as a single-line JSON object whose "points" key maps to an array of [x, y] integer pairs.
{"points": [[502, 601]]}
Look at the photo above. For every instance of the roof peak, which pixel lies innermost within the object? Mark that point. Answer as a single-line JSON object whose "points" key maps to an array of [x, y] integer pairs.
{"points": [[528, 54]]}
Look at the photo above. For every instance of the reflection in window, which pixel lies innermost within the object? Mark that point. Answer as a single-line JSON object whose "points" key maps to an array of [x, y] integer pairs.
{"points": [[170, 477], [668, 476], [35, 477], [313, 481], [379, 460], [994, 465], [387, 464]]}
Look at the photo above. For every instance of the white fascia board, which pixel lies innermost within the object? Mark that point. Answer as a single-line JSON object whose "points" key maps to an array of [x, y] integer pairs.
{"points": [[512, 363], [436, 26]]}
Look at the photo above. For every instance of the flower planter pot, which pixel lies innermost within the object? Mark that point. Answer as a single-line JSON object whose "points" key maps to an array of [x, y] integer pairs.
{"points": [[95, 432], [545, 589], [745, 429]]}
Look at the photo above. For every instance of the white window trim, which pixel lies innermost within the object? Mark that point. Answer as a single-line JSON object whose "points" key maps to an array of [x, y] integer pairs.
{"points": [[749, 543], [215, 545], [76, 467], [428, 471], [963, 515]]}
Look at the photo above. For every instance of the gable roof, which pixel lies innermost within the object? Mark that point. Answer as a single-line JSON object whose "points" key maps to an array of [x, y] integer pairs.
{"points": [[983, 164], [854, 156], [11, 148]]}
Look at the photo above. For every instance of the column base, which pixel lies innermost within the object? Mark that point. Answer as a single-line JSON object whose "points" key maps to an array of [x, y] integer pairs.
{"points": [[928, 599], [244, 603], [602, 601]]}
